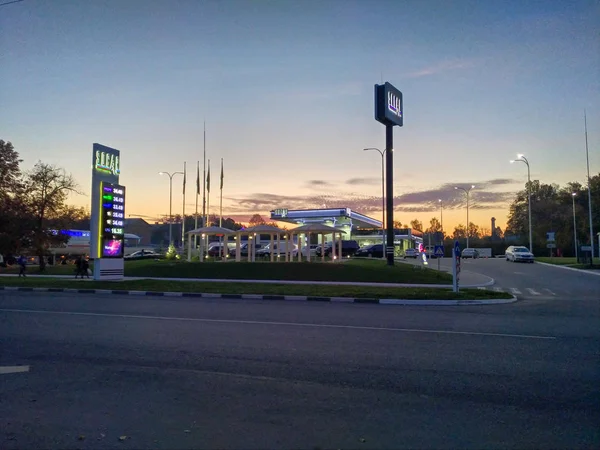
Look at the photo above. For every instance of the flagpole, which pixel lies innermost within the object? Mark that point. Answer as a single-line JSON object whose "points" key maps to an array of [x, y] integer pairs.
{"points": [[208, 193], [204, 182], [197, 192], [183, 218], [221, 201]]}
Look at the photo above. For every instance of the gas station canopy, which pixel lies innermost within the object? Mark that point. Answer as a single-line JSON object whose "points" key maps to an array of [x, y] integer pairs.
{"points": [[329, 216]]}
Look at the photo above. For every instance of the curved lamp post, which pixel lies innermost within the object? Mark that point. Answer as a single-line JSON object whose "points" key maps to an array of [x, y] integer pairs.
{"points": [[521, 158], [467, 192], [382, 153], [171, 175]]}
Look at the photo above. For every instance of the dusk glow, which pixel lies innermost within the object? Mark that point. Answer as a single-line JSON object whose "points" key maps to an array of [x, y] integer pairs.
{"points": [[286, 90]]}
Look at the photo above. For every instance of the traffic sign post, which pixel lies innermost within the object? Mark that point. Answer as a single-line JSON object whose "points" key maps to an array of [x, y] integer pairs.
{"points": [[455, 267], [439, 253]]}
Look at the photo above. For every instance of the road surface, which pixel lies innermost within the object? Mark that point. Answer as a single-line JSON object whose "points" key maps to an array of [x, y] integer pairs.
{"points": [[122, 372], [530, 281]]}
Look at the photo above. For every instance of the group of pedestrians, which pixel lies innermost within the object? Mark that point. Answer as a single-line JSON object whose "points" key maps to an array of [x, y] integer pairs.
{"points": [[82, 267]]}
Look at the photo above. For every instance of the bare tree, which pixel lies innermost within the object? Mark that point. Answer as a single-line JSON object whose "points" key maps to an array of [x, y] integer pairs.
{"points": [[47, 189]]}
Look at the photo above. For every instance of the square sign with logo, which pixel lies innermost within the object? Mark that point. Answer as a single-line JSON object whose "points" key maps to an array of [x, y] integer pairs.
{"points": [[388, 105]]}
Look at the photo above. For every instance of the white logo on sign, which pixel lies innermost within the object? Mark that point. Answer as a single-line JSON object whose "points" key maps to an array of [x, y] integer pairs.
{"points": [[394, 104]]}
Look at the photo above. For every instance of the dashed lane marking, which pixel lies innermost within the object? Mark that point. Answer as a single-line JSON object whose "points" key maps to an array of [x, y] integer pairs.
{"points": [[13, 369], [533, 291]]}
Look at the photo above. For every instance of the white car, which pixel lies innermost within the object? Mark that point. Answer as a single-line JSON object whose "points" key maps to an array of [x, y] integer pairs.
{"points": [[411, 253], [312, 249], [517, 253], [469, 253]]}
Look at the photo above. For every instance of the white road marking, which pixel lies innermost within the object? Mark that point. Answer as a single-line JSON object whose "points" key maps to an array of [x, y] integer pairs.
{"points": [[13, 369], [515, 291], [290, 324], [533, 291], [549, 291]]}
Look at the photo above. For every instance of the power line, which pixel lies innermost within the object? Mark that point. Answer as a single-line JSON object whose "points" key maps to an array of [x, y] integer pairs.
{"points": [[13, 1]]}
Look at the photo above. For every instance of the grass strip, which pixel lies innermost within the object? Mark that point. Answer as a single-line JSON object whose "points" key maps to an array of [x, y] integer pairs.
{"points": [[232, 289], [358, 270]]}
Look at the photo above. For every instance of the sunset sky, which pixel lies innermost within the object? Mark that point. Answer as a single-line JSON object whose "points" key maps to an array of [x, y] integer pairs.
{"points": [[286, 90]]}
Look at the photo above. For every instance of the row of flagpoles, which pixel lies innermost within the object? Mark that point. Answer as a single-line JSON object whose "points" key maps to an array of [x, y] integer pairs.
{"points": [[205, 190]]}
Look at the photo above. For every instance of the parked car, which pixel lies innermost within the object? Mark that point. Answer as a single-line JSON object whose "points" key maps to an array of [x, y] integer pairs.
{"points": [[144, 254], [429, 250], [349, 248], [411, 253], [370, 251], [312, 249], [244, 249], [469, 253], [517, 253], [214, 249], [279, 248]]}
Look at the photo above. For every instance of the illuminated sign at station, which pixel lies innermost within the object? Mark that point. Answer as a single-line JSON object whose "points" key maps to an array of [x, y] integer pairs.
{"points": [[112, 220], [108, 162], [388, 105]]}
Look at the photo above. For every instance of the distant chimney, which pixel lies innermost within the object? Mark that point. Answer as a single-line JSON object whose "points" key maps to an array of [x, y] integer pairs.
{"points": [[493, 226]]}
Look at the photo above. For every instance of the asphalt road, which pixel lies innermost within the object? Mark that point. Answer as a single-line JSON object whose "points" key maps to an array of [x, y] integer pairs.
{"points": [[530, 281], [182, 373]]}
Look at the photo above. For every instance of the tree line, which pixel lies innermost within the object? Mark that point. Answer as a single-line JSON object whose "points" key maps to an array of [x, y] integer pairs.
{"points": [[33, 204], [551, 211]]}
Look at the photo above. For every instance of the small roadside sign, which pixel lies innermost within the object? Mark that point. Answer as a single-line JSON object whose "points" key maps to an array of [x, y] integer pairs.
{"points": [[439, 251], [550, 245], [586, 248], [550, 236]]}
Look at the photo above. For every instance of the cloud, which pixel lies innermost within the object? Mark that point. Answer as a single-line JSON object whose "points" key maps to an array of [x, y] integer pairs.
{"points": [[364, 181], [318, 183], [441, 67], [483, 197]]}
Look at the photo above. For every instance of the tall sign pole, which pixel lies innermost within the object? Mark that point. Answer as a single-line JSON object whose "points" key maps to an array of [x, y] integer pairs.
{"points": [[389, 111], [107, 236], [389, 193]]}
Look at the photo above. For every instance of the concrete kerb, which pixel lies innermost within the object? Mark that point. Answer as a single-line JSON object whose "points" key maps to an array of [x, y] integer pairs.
{"points": [[490, 281], [569, 268], [380, 301]]}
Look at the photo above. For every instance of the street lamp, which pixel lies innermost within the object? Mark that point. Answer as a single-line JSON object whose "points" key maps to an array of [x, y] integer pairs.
{"points": [[382, 153], [441, 214], [521, 158], [171, 175], [467, 192], [575, 227]]}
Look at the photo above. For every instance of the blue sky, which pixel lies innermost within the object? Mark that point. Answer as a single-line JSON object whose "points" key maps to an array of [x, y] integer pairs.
{"points": [[286, 89]]}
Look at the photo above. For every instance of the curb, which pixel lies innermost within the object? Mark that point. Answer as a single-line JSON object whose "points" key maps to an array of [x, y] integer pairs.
{"points": [[569, 268], [380, 301], [490, 282]]}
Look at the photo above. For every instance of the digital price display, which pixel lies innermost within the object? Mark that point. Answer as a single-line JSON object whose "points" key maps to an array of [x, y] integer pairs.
{"points": [[112, 224]]}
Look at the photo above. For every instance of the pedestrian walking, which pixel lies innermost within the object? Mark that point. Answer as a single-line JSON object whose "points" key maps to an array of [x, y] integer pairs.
{"points": [[79, 267], [22, 266], [85, 267]]}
